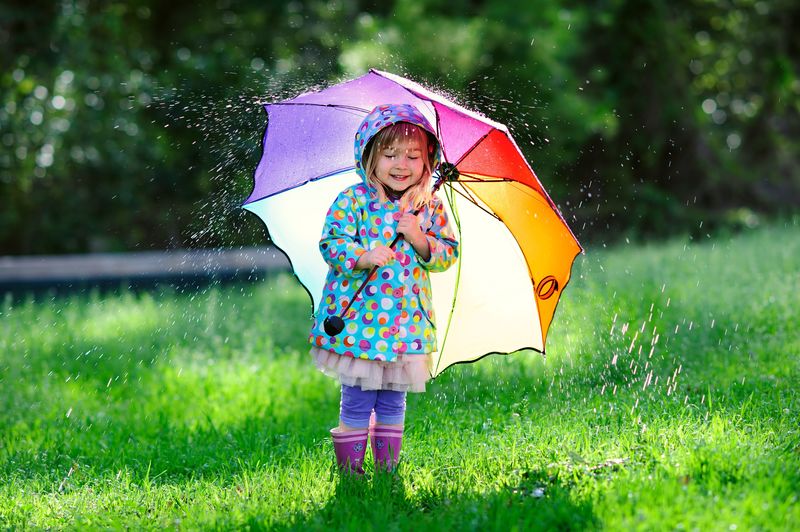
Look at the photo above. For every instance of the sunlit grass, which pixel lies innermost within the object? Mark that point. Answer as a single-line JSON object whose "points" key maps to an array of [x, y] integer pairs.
{"points": [[669, 399]]}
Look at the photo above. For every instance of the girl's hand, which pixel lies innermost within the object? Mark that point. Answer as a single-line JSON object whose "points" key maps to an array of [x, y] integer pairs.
{"points": [[408, 226], [380, 256]]}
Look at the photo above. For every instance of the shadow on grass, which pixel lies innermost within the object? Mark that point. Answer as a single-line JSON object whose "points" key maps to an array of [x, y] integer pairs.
{"points": [[386, 502]]}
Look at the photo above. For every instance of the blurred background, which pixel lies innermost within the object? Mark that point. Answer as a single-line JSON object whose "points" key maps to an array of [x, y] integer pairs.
{"points": [[136, 125]]}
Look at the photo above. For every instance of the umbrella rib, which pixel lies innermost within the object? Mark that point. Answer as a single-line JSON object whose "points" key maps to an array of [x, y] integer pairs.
{"points": [[521, 187], [525, 189], [475, 145], [298, 185], [502, 179], [439, 131], [469, 198], [332, 173], [333, 105], [476, 179]]}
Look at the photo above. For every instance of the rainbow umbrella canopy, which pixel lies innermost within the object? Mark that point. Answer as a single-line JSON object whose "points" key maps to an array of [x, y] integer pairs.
{"points": [[516, 249]]}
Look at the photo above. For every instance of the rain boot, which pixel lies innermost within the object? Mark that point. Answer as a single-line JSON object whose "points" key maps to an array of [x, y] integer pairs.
{"points": [[386, 442], [350, 447]]}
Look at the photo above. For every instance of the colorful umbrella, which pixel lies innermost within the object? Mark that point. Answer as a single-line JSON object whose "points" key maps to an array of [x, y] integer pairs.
{"points": [[516, 249]]}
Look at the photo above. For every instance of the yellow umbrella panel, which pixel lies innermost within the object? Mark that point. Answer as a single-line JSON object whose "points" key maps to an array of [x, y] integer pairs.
{"points": [[516, 256], [547, 244]]}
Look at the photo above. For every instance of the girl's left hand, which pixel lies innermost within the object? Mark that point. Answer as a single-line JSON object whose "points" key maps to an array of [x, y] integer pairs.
{"points": [[408, 226]]}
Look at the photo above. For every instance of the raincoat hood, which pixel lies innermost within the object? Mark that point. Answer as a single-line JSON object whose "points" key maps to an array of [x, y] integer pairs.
{"points": [[386, 115]]}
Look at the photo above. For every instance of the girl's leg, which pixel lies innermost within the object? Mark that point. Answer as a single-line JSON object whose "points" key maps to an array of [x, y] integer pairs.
{"points": [[350, 437], [356, 407], [387, 434], [390, 408]]}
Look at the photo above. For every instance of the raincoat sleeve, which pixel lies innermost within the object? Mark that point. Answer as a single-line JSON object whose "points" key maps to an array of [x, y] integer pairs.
{"points": [[340, 245], [441, 240]]}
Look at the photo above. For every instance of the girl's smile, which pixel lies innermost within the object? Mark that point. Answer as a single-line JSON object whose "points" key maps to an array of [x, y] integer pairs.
{"points": [[400, 165]]}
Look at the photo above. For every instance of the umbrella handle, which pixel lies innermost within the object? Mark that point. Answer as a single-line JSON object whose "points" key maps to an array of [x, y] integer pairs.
{"points": [[333, 325]]}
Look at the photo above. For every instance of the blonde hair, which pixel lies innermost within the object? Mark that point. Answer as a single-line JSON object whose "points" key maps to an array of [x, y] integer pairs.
{"points": [[418, 195]]}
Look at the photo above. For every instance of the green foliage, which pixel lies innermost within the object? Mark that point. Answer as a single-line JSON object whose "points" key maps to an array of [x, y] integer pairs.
{"points": [[138, 124], [125, 126], [658, 407], [641, 118]]}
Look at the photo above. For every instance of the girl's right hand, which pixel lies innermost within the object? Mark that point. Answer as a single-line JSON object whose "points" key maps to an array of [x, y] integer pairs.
{"points": [[380, 256]]}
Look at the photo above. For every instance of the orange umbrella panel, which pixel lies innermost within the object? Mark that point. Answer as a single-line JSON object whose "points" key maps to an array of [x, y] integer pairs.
{"points": [[544, 239]]}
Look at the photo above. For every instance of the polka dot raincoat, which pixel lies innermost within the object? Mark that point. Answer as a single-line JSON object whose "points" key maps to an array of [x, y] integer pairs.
{"points": [[393, 315]]}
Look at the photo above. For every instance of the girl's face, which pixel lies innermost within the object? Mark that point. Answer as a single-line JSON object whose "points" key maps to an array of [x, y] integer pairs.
{"points": [[400, 165]]}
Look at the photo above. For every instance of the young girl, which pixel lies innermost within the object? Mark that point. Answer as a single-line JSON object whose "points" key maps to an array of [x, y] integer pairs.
{"points": [[385, 348]]}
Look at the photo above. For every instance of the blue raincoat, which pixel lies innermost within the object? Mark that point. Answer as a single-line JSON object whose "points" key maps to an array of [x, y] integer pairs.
{"points": [[393, 315]]}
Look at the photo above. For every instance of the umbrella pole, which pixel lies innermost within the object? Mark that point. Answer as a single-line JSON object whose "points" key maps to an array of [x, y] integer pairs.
{"points": [[333, 325]]}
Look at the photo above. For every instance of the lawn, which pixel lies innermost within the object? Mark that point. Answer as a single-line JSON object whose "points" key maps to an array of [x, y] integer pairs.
{"points": [[669, 399]]}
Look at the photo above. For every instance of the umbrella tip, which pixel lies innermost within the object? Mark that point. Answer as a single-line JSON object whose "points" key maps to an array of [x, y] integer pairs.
{"points": [[448, 171], [333, 325]]}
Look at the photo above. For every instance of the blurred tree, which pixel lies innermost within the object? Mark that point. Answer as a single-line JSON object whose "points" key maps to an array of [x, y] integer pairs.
{"points": [[137, 124], [611, 103], [130, 124], [694, 139]]}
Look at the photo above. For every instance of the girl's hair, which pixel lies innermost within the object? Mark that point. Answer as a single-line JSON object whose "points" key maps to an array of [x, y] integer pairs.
{"points": [[419, 195]]}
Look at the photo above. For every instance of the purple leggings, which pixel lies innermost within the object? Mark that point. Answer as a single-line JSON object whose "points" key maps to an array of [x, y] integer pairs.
{"points": [[357, 406]]}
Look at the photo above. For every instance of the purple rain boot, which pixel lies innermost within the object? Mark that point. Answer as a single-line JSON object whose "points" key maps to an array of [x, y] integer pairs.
{"points": [[386, 443], [350, 447]]}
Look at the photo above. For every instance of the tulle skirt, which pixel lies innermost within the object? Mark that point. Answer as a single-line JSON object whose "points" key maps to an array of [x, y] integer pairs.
{"points": [[408, 373]]}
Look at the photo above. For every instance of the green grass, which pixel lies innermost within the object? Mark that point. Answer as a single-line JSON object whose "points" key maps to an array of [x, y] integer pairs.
{"points": [[669, 400]]}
